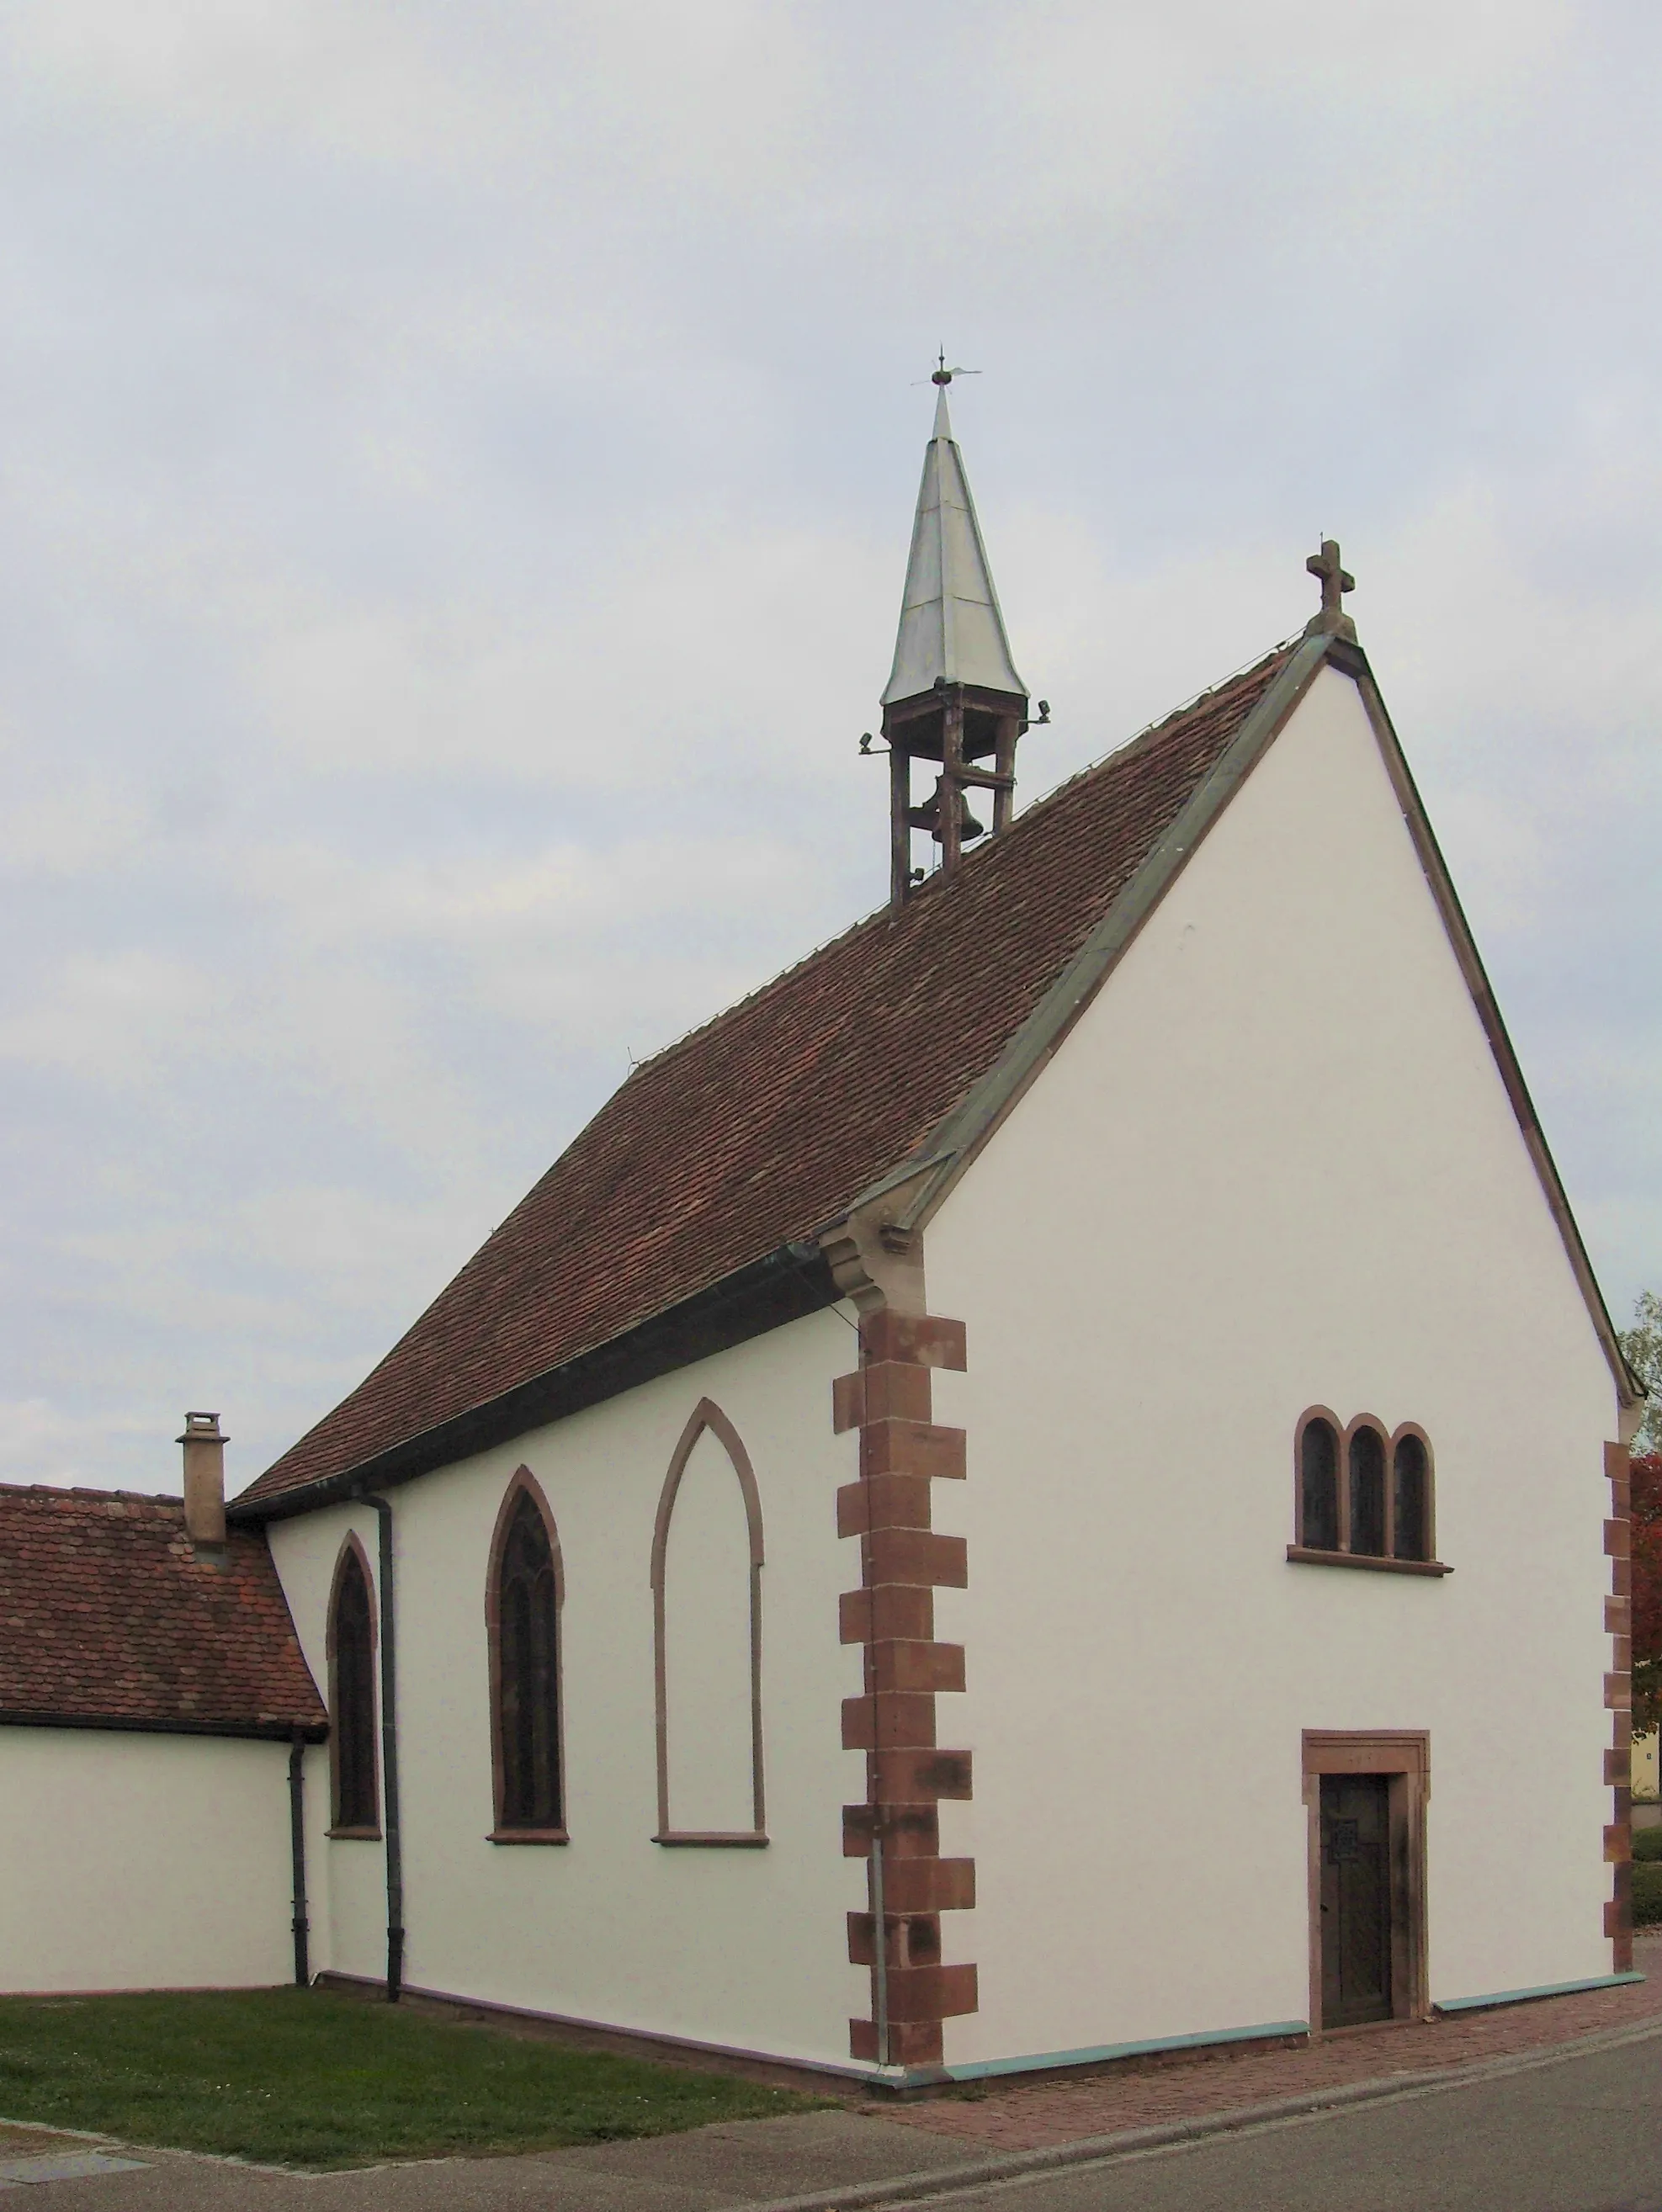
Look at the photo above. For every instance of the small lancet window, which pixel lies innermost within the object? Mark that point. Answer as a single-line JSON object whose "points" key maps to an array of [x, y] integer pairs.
{"points": [[352, 1696], [1318, 1467], [1412, 1497], [529, 1784], [1367, 1493]]}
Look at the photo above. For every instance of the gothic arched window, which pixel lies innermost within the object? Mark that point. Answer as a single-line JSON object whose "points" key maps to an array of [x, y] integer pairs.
{"points": [[524, 1611], [351, 1648], [1410, 1497], [707, 1633], [1318, 1484], [1368, 1491]]}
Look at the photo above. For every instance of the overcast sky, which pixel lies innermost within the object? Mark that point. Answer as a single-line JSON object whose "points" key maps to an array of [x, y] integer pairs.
{"points": [[457, 459]]}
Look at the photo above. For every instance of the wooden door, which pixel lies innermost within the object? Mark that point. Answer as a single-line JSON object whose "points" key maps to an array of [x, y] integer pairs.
{"points": [[1356, 1931]]}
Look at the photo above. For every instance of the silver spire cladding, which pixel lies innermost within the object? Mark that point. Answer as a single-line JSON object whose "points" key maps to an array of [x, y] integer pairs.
{"points": [[950, 623]]}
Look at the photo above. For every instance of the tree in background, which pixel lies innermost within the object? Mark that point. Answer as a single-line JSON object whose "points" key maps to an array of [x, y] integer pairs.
{"points": [[1642, 1344], [1647, 1533]]}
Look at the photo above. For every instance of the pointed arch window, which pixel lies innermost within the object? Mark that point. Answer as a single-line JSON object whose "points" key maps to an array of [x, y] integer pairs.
{"points": [[524, 1595], [707, 1637], [1362, 1499], [354, 1783]]}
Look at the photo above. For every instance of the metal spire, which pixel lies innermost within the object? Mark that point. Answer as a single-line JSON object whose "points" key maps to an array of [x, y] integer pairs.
{"points": [[951, 630]]}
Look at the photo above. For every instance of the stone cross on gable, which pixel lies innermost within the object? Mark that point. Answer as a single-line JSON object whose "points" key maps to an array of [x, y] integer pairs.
{"points": [[1335, 580]]}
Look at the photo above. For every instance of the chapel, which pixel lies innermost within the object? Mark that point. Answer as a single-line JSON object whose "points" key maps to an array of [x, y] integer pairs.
{"points": [[1116, 1298]]}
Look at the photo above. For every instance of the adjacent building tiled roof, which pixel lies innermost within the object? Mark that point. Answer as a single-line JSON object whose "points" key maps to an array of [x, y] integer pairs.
{"points": [[109, 1617], [763, 1126]]}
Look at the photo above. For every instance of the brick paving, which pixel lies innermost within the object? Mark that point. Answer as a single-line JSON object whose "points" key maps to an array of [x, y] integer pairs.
{"points": [[1035, 2114]]}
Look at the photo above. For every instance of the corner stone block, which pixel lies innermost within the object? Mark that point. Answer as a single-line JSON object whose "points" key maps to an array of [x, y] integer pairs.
{"points": [[909, 1831], [1618, 1541], [882, 1501], [848, 1403], [917, 1776], [918, 1340], [919, 1448], [903, 1610], [918, 1556], [932, 1992], [1618, 1463], [929, 1885], [888, 1720], [901, 1666], [912, 2042], [912, 1939], [895, 1391]]}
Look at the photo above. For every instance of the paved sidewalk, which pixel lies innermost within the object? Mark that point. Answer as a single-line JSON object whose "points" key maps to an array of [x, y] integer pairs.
{"points": [[866, 2154], [1033, 2115]]}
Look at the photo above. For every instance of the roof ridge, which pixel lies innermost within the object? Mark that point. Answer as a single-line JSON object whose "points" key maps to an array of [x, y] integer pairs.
{"points": [[750, 998], [1033, 812], [87, 1491]]}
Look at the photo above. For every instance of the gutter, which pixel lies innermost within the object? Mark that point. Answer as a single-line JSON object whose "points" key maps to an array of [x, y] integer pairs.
{"points": [[301, 1924]]}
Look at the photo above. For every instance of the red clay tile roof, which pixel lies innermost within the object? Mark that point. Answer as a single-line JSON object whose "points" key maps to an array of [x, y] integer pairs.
{"points": [[108, 1617], [764, 1125]]}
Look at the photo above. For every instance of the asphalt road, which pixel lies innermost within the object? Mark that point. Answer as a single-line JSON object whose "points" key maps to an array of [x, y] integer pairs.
{"points": [[1584, 2135]]}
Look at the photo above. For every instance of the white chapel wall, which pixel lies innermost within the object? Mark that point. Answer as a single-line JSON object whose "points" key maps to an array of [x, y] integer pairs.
{"points": [[735, 1946], [1273, 1166], [143, 1862]]}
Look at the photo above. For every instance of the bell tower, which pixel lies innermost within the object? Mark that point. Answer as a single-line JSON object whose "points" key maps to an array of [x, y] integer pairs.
{"points": [[953, 695]]}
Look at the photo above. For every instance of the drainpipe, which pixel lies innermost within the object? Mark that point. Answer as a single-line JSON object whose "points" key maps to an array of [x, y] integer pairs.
{"points": [[389, 1760], [297, 1845]]}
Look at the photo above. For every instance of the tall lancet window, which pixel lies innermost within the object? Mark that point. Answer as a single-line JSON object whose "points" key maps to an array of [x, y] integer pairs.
{"points": [[707, 1621], [351, 1649], [523, 1611]]}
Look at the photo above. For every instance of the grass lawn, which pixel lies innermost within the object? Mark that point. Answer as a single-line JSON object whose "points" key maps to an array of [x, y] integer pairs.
{"points": [[306, 2077]]}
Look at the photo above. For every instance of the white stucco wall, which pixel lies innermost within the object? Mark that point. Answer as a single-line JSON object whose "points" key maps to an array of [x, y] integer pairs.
{"points": [[744, 1948], [137, 1861], [1273, 1166]]}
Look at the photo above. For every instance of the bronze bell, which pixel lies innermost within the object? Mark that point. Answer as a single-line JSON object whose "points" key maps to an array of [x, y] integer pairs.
{"points": [[928, 817]]}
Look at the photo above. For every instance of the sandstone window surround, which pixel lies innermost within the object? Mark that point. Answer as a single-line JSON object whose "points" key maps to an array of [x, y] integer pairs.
{"points": [[1363, 1497]]}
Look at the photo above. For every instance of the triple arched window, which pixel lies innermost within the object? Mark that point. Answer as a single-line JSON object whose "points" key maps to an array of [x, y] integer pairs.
{"points": [[354, 1806], [1364, 1499], [522, 1612]]}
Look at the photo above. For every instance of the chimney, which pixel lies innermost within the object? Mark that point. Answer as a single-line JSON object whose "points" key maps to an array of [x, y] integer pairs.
{"points": [[204, 1479]]}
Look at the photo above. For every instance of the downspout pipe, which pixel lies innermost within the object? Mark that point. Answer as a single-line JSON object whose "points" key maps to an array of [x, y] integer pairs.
{"points": [[297, 1846], [389, 1756]]}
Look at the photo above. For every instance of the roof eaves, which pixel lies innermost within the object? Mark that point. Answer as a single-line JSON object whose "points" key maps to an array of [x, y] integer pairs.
{"points": [[785, 1284], [265, 1730]]}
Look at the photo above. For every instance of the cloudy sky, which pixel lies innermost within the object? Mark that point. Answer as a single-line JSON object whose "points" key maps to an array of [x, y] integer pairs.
{"points": [[456, 463]]}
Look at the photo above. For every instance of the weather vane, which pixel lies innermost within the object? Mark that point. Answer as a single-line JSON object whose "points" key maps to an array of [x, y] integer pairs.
{"points": [[941, 374]]}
